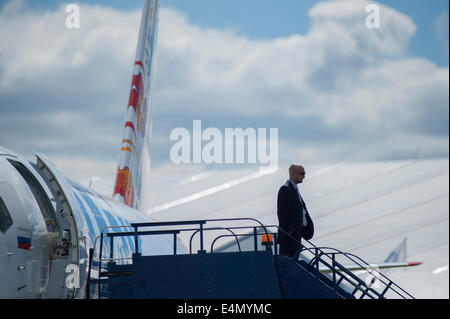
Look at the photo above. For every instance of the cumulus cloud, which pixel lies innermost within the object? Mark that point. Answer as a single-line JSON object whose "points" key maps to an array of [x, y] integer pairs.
{"points": [[63, 91], [339, 84], [334, 92]]}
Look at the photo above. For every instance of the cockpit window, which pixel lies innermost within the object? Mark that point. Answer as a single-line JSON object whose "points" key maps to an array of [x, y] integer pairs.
{"points": [[39, 194], [5, 217]]}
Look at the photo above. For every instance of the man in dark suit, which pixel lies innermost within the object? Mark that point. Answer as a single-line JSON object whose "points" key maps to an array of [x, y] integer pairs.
{"points": [[293, 216]]}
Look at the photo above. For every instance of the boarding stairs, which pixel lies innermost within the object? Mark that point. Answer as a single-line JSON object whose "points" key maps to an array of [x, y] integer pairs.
{"points": [[254, 270]]}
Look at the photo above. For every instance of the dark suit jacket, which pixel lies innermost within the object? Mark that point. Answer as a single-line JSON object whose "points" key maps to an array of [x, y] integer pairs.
{"points": [[290, 216]]}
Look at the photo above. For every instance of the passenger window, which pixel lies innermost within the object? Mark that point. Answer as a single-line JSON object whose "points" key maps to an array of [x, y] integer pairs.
{"points": [[5, 217]]}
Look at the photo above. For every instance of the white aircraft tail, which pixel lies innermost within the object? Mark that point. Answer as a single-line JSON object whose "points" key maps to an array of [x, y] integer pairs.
{"points": [[134, 158], [398, 254]]}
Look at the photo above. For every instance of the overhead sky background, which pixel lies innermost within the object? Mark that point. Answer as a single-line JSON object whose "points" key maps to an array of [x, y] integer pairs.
{"points": [[335, 89]]}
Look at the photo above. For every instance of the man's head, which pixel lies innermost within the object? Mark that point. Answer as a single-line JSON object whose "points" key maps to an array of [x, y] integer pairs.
{"points": [[296, 173]]}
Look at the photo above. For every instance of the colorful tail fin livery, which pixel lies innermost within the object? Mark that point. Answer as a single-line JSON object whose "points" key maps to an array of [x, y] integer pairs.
{"points": [[137, 128]]}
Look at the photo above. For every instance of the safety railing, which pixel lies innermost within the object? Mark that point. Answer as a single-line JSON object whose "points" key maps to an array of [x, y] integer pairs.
{"points": [[99, 262], [376, 286]]}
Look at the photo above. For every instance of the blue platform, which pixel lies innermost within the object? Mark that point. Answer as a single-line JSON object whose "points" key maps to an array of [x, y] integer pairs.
{"points": [[226, 275]]}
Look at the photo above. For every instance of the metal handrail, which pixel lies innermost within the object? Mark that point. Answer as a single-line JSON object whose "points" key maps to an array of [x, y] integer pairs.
{"points": [[222, 228], [235, 235], [170, 223], [318, 251], [239, 218], [348, 274], [367, 267]]}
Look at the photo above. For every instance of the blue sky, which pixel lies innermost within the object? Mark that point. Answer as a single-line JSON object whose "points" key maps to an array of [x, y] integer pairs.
{"points": [[249, 17], [260, 19]]}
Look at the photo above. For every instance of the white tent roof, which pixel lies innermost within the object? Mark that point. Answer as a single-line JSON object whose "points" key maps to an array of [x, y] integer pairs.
{"points": [[363, 208]]}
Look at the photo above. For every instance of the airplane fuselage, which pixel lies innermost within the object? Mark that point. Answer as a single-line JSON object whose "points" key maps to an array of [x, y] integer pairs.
{"points": [[48, 224]]}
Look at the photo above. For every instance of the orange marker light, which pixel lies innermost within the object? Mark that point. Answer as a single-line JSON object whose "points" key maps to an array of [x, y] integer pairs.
{"points": [[267, 240]]}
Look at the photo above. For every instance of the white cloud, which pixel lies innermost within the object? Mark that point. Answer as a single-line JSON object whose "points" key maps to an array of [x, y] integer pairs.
{"points": [[345, 20], [297, 75], [337, 88], [64, 91]]}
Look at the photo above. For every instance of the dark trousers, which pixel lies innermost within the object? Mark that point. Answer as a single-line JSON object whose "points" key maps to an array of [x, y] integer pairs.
{"points": [[289, 247]]}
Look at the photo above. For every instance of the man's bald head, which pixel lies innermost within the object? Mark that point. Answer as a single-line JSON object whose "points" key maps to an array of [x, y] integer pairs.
{"points": [[296, 173]]}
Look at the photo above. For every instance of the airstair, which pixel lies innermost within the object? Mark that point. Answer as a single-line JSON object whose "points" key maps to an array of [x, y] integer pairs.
{"points": [[255, 272]]}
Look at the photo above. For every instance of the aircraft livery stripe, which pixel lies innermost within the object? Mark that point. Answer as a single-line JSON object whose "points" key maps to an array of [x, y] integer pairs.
{"points": [[97, 215], [129, 238], [131, 125], [140, 64], [89, 224], [127, 149], [129, 142], [113, 222]]}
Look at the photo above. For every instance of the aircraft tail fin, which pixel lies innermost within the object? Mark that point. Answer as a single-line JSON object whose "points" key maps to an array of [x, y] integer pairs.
{"points": [[398, 254], [134, 156]]}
